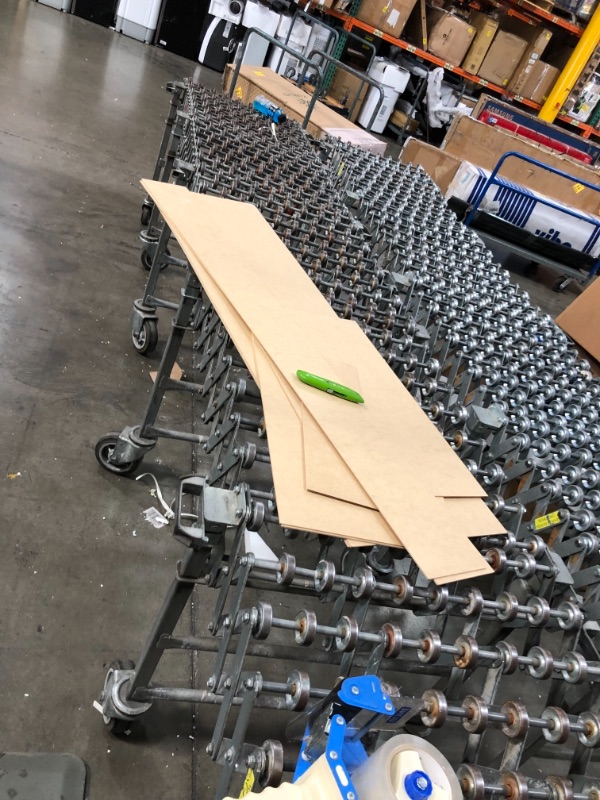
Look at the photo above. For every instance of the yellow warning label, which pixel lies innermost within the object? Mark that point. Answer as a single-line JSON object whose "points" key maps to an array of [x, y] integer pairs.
{"points": [[547, 521], [248, 783], [341, 169], [577, 187], [239, 92], [259, 73]]}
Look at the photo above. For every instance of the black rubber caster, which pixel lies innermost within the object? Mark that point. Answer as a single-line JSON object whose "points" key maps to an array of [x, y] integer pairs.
{"points": [[530, 269], [145, 215], [146, 340], [561, 284], [103, 452], [119, 727], [146, 260]]}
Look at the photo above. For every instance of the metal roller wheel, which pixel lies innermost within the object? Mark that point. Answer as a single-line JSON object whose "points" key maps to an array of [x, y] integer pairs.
{"points": [[104, 450]]}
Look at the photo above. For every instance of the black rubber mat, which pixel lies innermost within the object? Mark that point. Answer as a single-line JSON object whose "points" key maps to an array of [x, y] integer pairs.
{"points": [[41, 776]]}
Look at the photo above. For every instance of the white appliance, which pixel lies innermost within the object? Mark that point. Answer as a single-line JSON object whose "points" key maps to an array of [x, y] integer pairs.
{"points": [[263, 19], [393, 80], [60, 5], [285, 63], [230, 10], [138, 18]]}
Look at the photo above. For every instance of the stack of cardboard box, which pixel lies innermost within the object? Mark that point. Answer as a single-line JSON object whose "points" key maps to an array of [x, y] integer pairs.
{"points": [[507, 54]]}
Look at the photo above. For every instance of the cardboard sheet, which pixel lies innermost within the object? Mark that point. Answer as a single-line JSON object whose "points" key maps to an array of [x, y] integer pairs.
{"points": [[391, 447], [297, 507], [269, 267]]}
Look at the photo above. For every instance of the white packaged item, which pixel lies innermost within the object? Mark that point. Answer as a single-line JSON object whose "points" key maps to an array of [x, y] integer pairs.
{"points": [[587, 100], [59, 5], [526, 211], [321, 38], [442, 100], [285, 63], [138, 18], [230, 10], [263, 19], [393, 79]]}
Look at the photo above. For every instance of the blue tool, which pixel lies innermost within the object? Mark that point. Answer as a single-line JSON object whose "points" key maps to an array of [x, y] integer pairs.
{"points": [[337, 724], [269, 109]]}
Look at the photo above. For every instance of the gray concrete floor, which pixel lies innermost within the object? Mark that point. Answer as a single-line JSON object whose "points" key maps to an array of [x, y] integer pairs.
{"points": [[81, 573]]}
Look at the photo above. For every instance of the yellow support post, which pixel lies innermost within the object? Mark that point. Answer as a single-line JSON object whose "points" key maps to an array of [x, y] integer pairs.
{"points": [[568, 77]]}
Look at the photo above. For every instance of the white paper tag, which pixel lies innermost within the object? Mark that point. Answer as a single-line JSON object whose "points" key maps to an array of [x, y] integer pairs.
{"points": [[393, 17]]}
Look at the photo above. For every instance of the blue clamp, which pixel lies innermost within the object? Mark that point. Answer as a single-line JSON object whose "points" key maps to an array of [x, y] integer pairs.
{"points": [[344, 751]]}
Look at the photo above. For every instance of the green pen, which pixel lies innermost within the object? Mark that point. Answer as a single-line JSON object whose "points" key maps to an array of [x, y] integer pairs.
{"points": [[331, 387]]}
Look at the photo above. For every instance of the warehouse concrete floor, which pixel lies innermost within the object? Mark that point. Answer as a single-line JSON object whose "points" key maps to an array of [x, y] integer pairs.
{"points": [[81, 572]]}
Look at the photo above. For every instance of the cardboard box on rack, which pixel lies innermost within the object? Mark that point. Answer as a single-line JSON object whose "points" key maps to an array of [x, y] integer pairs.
{"points": [[399, 118], [537, 40], [449, 36], [502, 58], [540, 79], [387, 16], [344, 88], [485, 28]]}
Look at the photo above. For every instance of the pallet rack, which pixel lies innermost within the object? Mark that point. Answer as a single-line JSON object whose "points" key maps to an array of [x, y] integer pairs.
{"points": [[350, 22]]}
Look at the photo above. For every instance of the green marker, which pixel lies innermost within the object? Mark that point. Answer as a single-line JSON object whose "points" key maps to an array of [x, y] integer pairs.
{"points": [[331, 387]]}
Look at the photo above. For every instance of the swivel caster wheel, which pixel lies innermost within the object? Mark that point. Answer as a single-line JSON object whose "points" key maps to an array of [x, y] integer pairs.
{"points": [[119, 727], [146, 339], [145, 215], [104, 450], [146, 259], [561, 284]]}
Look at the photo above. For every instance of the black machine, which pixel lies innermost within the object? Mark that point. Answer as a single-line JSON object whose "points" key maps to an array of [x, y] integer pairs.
{"points": [[180, 26], [217, 42], [101, 12]]}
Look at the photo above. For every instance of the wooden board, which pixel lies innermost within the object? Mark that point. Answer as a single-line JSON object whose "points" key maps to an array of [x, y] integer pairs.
{"points": [[394, 455]]}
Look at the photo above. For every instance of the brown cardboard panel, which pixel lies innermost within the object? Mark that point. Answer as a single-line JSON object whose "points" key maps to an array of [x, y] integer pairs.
{"points": [[176, 373], [367, 443], [399, 118], [486, 28], [581, 319], [502, 58], [450, 37], [440, 165], [388, 16], [285, 313], [483, 145], [298, 508]]}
